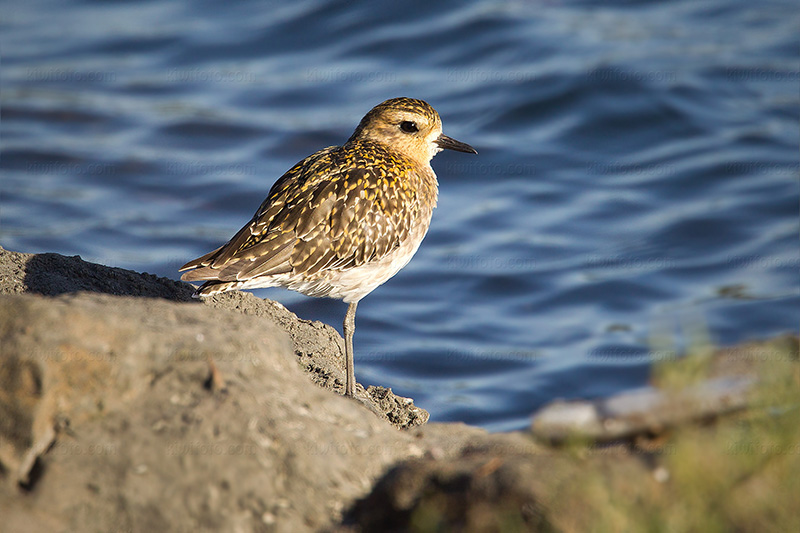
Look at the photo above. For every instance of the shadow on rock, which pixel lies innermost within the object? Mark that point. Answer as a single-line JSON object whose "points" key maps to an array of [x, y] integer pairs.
{"points": [[53, 274]]}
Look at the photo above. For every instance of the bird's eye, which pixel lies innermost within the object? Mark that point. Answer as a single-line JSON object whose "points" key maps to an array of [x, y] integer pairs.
{"points": [[409, 127]]}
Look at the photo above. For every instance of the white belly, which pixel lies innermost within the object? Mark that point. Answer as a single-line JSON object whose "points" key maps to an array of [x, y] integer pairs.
{"points": [[353, 284]]}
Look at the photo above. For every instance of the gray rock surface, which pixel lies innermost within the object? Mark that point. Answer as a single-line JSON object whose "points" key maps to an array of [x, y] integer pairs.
{"points": [[127, 406], [320, 350], [318, 346], [468, 481], [648, 410], [155, 414]]}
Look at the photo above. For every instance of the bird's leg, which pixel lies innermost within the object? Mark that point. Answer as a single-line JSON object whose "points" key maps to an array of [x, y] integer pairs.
{"points": [[349, 328]]}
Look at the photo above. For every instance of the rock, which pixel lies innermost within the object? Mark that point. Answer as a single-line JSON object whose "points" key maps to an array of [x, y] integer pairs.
{"points": [[720, 473], [696, 388], [54, 274], [160, 413], [647, 411], [320, 350], [318, 346], [487, 483], [126, 406], [111, 397]]}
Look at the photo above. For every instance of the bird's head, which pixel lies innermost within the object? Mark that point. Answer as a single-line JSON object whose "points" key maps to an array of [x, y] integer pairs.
{"points": [[411, 127]]}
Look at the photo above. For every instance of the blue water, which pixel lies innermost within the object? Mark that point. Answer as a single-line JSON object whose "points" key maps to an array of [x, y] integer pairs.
{"points": [[637, 176]]}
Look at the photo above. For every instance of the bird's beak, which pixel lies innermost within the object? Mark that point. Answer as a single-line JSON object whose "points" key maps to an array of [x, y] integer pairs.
{"points": [[451, 144]]}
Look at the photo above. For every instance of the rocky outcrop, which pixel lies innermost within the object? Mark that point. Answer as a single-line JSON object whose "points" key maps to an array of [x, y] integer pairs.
{"points": [[318, 347], [159, 413], [155, 414], [127, 406]]}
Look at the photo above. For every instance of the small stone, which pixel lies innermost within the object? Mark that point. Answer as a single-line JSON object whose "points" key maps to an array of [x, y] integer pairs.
{"points": [[661, 474]]}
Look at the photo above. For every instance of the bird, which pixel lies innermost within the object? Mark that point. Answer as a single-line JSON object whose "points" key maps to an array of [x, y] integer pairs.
{"points": [[342, 221]]}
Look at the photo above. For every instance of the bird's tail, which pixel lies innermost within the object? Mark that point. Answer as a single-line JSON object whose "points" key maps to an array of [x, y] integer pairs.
{"points": [[210, 288]]}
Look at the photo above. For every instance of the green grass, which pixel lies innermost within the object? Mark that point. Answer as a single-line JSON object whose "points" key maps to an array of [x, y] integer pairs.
{"points": [[738, 473]]}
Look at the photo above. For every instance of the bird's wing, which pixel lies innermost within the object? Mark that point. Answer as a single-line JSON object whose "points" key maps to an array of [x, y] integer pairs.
{"points": [[329, 211]]}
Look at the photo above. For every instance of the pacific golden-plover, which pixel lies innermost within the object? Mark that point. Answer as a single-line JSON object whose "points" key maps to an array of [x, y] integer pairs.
{"points": [[343, 220]]}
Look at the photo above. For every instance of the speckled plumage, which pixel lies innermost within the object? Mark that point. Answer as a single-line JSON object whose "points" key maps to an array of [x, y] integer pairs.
{"points": [[343, 220]]}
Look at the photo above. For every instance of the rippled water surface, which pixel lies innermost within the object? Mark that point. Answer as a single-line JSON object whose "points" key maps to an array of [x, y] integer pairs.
{"points": [[637, 176]]}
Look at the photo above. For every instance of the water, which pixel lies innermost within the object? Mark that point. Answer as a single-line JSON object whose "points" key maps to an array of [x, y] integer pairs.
{"points": [[637, 176]]}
